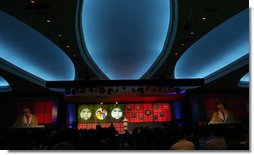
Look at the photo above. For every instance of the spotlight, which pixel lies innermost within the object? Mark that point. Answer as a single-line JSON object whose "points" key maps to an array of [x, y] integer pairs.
{"points": [[32, 1], [167, 89], [116, 102]]}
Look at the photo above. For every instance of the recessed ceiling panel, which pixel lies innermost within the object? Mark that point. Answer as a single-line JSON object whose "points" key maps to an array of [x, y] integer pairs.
{"points": [[125, 37], [4, 85], [223, 45], [3, 82], [29, 50], [244, 81], [245, 78]]}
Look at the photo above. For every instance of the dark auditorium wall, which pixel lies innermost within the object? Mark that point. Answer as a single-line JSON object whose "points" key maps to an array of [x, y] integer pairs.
{"points": [[7, 113]]}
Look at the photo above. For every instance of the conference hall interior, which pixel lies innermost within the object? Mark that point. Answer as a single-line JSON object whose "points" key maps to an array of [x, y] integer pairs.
{"points": [[124, 75]]}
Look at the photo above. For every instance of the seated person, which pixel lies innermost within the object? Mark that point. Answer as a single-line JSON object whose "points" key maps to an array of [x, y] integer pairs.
{"points": [[27, 119], [221, 115], [182, 143]]}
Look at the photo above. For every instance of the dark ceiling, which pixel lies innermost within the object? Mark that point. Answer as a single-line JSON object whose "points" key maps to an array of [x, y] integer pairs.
{"points": [[61, 30]]}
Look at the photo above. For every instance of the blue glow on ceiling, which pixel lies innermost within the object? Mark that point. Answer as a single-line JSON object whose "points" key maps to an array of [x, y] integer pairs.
{"points": [[218, 48], [3, 82], [29, 50], [244, 81], [4, 85], [125, 37], [245, 78]]}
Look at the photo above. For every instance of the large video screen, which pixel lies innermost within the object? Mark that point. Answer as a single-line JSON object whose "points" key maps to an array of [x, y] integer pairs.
{"points": [[100, 113], [134, 112]]}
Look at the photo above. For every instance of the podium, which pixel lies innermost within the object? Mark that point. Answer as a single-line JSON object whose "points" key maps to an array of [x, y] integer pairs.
{"points": [[29, 127], [226, 123]]}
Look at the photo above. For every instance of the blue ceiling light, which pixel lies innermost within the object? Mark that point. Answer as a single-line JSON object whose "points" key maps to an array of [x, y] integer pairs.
{"points": [[4, 85], [124, 38], [245, 78], [29, 50], [3, 82], [220, 47], [244, 81]]}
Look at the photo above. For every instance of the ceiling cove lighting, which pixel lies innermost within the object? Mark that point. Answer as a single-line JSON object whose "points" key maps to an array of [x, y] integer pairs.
{"points": [[244, 81], [3, 82], [124, 38], [29, 50], [4, 85], [222, 46]]}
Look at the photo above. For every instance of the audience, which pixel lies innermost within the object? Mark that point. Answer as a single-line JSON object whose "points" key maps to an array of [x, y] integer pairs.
{"points": [[182, 143], [165, 138], [216, 141]]}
